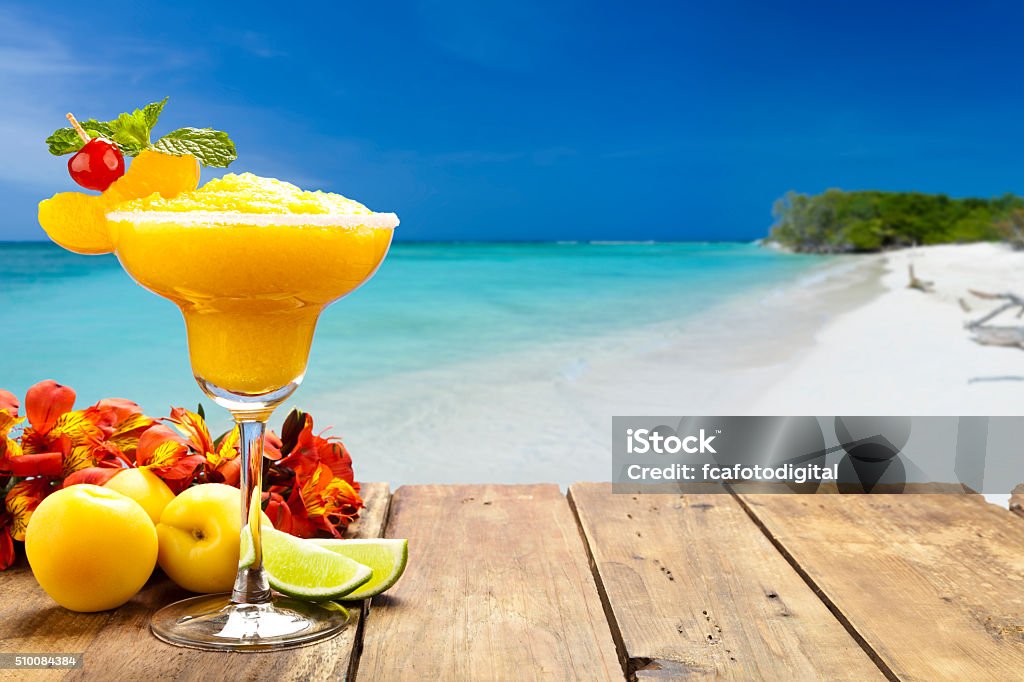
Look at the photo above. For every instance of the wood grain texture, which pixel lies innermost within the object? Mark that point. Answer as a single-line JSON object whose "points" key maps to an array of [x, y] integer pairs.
{"points": [[695, 589], [118, 645], [934, 584], [497, 588]]}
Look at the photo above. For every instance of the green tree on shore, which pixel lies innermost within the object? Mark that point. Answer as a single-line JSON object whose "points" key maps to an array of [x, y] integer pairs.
{"points": [[1012, 228], [837, 221]]}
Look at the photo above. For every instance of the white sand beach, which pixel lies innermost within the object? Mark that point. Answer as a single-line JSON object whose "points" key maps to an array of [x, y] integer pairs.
{"points": [[906, 352], [849, 339]]}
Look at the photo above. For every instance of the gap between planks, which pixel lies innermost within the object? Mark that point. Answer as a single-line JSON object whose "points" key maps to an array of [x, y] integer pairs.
{"points": [[364, 614], [930, 582], [609, 614], [829, 604], [772, 639], [500, 588]]}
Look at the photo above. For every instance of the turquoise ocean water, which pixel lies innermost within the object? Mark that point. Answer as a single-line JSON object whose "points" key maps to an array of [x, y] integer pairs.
{"points": [[82, 321]]}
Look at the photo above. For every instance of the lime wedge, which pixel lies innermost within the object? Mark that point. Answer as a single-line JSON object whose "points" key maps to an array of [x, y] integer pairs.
{"points": [[304, 570], [386, 557]]}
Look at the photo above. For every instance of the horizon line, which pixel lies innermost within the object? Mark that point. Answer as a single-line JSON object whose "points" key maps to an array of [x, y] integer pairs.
{"points": [[557, 242]]}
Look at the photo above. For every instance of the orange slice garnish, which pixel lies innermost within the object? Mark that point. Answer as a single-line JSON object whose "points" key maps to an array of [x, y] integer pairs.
{"points": [[77, 221]]}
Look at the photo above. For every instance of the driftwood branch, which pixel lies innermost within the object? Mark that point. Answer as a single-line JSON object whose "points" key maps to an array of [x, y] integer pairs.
{"points": [[919, 284], [1012, 301], [1012, 337], [989, 335]]}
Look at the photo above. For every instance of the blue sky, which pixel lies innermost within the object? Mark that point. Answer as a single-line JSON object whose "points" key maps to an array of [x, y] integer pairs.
{"points": [[539, 120]]}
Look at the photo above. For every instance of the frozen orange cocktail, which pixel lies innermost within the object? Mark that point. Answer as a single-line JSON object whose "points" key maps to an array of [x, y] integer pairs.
{"points": [[251, 262]]}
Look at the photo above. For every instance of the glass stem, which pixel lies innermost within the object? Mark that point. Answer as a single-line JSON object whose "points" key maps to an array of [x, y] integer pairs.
{"points": [[251, 586]]}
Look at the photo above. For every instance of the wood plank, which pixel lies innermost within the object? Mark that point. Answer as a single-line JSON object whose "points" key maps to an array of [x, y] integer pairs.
{"points": [[934, 584], [118, 645], [30, 622], [695, 589], [497, 588]]}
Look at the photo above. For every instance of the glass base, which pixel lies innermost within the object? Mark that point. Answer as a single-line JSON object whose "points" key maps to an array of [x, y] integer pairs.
{"points": [[215, 623]]}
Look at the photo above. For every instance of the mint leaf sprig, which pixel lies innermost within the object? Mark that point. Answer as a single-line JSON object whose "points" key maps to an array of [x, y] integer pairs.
{"points": [[131, 132], [212, 147]]}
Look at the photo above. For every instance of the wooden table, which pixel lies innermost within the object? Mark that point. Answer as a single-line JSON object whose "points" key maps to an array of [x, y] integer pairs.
{"points": [[510, 582]]}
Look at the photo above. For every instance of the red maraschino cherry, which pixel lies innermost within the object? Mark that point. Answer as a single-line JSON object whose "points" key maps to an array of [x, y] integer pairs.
{"points": [[98, 163]]}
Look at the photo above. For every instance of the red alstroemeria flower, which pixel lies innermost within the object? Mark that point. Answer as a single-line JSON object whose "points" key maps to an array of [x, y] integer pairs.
{"points": [[167, 455], [323, 502], [60, 441], [53, 433], [221, 456], [120, 450], [121, 423], [220, 459], [316, 475], [308, 451]]}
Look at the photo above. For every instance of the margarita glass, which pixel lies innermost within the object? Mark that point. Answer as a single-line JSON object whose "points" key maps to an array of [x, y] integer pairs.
{"points": [[251, 262]]}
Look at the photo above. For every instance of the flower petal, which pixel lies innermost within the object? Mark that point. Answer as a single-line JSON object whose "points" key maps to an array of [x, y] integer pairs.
{"points": [[229, 472], [277, 509], [180, 473], [22, 500], [46, 402], [80, 457], [121, 408], [272, 446], [164, 455], [151, 440], [334, 454], [126, 437], [6, 549], [227, 450], [8, 421], [78, 427], [92, 475], [41, 464], [296, 422], [194, 427], [8, 446], [9, 403]]}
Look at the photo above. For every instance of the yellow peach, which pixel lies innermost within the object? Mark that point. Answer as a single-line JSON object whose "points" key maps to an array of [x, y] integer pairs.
{"points": [[145, 487], [90, 548]]}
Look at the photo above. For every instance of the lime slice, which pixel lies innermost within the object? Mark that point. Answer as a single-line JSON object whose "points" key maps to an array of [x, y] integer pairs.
{"points": [[386, 557], [303, 570]]}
